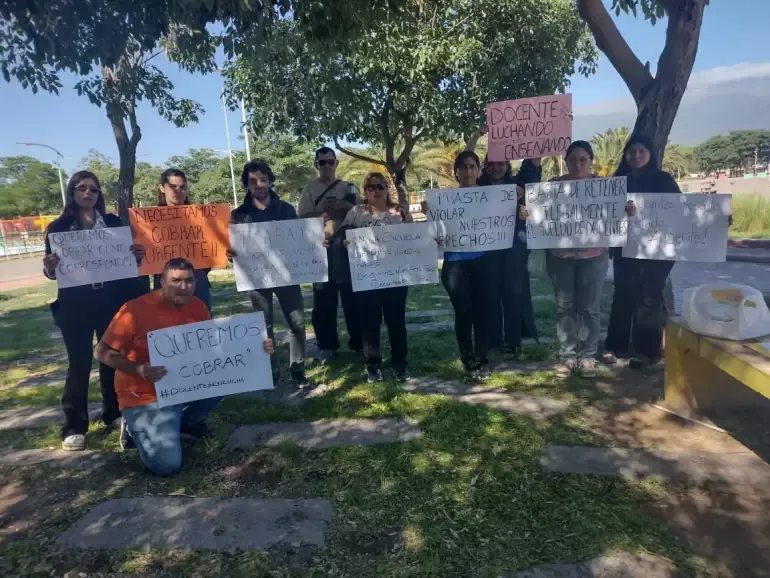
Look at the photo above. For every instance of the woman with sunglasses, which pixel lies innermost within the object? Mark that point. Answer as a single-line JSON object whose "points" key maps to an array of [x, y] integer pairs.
{"points": [[379, 210], [81, 311], [173, 191]]}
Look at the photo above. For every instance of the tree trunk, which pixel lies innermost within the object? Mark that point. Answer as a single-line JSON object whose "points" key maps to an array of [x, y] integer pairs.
{"points": [[117, 113], [657, 99], [126, 181]]}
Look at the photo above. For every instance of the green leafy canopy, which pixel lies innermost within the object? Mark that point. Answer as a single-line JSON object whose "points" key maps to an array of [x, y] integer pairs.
{"points": [[425, 73]]}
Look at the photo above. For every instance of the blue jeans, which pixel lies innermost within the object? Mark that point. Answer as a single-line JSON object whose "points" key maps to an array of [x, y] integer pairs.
{"points": [[577, 287], [156, 431]]}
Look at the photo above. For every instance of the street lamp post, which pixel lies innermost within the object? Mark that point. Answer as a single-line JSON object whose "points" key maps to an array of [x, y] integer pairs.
{"points": [[245, 131], [230, 152], [58, 165]]}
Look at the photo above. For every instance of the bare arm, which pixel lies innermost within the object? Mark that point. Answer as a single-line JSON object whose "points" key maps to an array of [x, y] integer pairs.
{"points": [[474, 140], [113, 358], [116, 360]]}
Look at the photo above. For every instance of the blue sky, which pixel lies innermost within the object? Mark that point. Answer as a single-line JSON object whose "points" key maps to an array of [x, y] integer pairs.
{"points": [[733, 33]]}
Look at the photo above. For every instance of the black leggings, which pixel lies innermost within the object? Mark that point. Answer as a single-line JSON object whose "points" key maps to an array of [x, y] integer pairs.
{"points": [[374, 306], [638, 313], [78, 322], [473, 287]]}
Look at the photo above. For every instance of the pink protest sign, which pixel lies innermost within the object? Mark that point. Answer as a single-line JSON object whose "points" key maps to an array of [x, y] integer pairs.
{"points": [[529, 128]]}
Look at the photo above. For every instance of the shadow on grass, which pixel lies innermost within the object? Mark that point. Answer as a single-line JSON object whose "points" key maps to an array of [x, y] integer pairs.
{"points": [[467, 499]]}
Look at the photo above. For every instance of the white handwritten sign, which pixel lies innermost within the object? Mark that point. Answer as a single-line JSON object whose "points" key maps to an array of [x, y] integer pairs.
{"points": [[577, 214], [393, 256], [691, 227], [474, 218], [93, 256], [211, 358], [279, 253]]}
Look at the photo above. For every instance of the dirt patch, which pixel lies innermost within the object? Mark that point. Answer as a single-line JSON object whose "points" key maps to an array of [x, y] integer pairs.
{"points": [[256, 468], [629, 424], [730, 527], [22, 507]]}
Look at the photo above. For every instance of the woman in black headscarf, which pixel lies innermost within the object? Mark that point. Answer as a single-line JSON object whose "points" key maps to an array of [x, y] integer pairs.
{"points": [[638, 313]]}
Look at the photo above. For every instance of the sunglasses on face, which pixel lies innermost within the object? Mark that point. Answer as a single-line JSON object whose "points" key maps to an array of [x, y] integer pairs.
{"points": [[375, 187], [324, 162], [85, 188]]}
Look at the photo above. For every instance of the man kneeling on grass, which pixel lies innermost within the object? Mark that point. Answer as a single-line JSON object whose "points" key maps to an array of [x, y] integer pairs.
{"points": [[155, 431]]}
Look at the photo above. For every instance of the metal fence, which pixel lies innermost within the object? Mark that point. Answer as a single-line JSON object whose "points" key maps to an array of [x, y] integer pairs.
{"points": [[12, 244]]}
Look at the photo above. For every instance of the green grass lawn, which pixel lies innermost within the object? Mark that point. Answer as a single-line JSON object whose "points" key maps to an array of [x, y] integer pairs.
{"points": [[751, 217], [468, 499]]}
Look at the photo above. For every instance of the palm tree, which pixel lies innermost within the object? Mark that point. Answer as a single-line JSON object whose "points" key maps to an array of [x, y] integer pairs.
{"points": [[552, 167], [432, 164], [608, 149], [354, 170]]}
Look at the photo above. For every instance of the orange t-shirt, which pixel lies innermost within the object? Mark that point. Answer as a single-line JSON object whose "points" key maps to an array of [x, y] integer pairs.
{"points": [[128, 331]]}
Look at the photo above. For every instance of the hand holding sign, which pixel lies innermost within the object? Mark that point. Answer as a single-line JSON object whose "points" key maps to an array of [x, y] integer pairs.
{"points": [[150, 373], [50, 262]]}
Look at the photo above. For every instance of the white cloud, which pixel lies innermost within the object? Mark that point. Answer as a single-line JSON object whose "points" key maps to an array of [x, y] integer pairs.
{"points": [[701, 83], [741, 71]]}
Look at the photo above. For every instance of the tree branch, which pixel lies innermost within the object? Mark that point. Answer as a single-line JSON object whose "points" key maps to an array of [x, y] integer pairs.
{"points": [[358, 156], [609, 40]]}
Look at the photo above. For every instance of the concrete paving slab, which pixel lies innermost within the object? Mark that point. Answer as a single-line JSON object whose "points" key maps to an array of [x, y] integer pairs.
{"points": [[729, 468], [621, 565], [325, 433], [494, 397], [227, 524], [86, 460], [37, 417]]}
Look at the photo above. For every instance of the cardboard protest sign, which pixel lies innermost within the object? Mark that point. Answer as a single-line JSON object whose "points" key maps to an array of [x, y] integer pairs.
{"points": [[197, 233], [393, 256], [93, 256], [529, 128], [279, 253], [690, 227], [474, 218], [211, 358], [577, 214]]}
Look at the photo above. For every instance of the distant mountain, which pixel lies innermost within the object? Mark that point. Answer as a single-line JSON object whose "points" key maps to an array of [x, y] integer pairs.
{"points": [[706, 110]]}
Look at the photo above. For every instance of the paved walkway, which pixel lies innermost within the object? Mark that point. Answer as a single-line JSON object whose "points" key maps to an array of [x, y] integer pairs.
{"points": [[736, 469], [325, 433], [202, 523]]}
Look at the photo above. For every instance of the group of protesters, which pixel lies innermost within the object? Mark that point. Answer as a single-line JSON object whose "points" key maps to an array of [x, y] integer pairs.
{"points": [[489, 292]]}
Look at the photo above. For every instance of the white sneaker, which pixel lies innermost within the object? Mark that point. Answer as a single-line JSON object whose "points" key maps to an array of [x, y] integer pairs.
{"points": [[74, 443]]}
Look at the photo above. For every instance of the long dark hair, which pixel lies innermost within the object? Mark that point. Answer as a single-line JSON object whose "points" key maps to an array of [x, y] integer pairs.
{"points": [[624, 169], [164, 181], [70, 206], [484, 178]]}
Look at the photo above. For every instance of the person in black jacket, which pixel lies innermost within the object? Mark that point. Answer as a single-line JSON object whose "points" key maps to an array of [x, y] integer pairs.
{"points": [[638, 313], [262, 204], [515, 317], [81, 311]]}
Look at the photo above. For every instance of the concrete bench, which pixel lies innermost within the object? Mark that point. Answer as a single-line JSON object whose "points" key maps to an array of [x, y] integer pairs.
{"points": [[705, 373]]}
